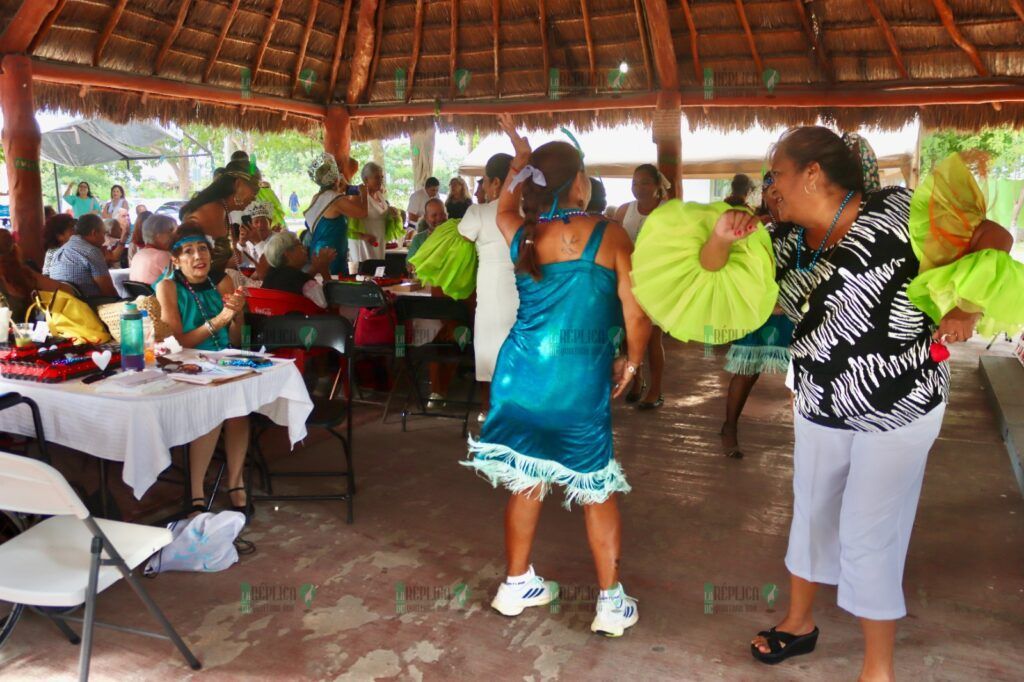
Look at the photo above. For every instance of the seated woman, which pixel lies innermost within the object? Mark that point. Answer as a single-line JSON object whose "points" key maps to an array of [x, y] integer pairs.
{"points": [[154, 258], [56, 231], [287, 256], [208, 316], [18, 281]]}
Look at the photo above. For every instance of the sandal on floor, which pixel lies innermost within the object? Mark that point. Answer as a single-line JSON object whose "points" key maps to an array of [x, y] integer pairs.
{"points": [[732, 451], [647, 405], [783, 645], [246, 508], [634, 396], [198, 507]]}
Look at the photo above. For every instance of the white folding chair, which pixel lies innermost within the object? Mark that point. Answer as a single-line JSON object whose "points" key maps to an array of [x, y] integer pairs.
{"points": [[67, 559]]}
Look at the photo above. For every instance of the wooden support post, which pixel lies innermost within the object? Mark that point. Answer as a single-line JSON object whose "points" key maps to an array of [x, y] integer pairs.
{"points": [[23, 26], [21, 140], [338, 135], [668, 136]]}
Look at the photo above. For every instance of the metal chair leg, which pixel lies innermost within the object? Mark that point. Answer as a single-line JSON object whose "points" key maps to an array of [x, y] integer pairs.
{"points": [[90, 610], [155, 611], [63, 627]]}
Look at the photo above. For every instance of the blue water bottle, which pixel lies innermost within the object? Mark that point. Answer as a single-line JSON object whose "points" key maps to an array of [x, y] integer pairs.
{"points": [[133, 339]]}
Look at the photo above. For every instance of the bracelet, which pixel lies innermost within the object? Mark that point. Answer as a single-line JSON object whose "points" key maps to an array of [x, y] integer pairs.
{"points": [[210, 328]]}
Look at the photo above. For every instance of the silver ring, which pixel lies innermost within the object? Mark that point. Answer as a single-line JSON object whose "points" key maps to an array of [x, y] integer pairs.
{"points": [[942, 339]]}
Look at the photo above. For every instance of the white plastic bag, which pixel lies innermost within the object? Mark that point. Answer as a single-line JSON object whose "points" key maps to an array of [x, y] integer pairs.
{"points": [[204, 543]]}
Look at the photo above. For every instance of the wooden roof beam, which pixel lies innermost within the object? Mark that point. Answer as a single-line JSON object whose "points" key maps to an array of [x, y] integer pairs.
{"points": [[1018, 7], [359, 69], [665, 60], [51, 18], [179, 21], [378, 40], [694, 52], [310, 20], [890, 39], [589, 34], [642, 30], [220, 40], [496, 29], [417, 46], [811, 22], [108, 30], [258, 62], [453, 48], [543, 8], [339, 47], [27, 21], [750, 37], [949, 21]]}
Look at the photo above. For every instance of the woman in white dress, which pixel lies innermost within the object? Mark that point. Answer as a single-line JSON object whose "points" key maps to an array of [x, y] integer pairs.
{"points": [[369, 245], [497, 300], [650, 189]]}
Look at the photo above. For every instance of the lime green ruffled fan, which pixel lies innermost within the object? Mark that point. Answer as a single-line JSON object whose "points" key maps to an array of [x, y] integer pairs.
{"points": [[946, 209], [447, 260], [689, 302], [355, 227], [394, 230]]}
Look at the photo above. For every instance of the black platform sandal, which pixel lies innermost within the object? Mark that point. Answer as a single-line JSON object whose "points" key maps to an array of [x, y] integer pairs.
{"points": [[783, 645], [198, 507], [246, 508], [648, 405]]}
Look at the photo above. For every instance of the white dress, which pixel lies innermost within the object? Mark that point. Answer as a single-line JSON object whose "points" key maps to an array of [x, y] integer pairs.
{"points": [[497, 300], [374, 223], [633, 220]]}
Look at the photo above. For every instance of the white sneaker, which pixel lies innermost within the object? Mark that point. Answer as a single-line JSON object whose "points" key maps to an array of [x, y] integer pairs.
{"points": [[511, 600], [615, 613]]}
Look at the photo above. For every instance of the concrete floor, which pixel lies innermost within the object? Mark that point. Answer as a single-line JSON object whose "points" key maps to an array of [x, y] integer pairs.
{"points": [[694, 517]]}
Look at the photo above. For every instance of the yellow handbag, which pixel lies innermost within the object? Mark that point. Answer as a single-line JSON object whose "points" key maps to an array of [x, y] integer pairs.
{"points": [[69, 317]]}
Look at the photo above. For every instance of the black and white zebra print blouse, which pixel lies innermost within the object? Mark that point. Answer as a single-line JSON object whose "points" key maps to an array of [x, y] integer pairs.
{"points": [[861, 351]]}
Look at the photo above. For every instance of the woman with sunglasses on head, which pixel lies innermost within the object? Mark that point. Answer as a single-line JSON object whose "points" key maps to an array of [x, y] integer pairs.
{"points": [[868, 368], [550, 418], [207, 315]]}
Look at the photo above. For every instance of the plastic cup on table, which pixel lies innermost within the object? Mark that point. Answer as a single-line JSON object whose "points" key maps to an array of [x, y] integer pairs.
{"points": [[23, 334]]}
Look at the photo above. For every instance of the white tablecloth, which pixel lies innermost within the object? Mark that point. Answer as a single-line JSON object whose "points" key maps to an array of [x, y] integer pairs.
{"points": [[141, 430]]}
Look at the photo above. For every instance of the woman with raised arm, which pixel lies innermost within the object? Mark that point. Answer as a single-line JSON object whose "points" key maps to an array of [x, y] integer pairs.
{"points": [[329, 211], [550, 418]]}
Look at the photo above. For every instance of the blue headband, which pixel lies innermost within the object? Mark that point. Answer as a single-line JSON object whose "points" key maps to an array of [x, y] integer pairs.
{"points": [[187, 240]]}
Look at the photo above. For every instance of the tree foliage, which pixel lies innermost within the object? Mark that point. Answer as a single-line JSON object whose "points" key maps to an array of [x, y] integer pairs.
{"points": [[1004, 145]]}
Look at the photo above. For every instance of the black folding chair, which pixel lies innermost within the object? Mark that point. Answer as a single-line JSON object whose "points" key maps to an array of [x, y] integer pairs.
{"points": [[394, 264], [369, 267], [351, 297], [458, 352], [136, 289], [9, 400], [334, 333]]}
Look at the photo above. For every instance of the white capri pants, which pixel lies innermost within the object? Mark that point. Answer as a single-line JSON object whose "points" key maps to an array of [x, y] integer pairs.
{"points": [[854, 499]]}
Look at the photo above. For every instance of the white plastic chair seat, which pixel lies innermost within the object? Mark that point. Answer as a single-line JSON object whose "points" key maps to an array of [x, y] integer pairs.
{"points": [[48, 565]]}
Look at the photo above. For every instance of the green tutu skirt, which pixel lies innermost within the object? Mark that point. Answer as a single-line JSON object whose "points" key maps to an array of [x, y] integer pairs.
{"points": [[447, 260], [689, 302], [989, 282]]}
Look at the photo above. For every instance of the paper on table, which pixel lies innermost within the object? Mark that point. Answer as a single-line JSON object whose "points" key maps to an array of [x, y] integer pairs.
{"points": [[134, 383]]}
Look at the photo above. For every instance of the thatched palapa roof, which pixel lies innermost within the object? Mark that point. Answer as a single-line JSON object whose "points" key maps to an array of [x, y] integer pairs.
{"points": [[399, 64]]}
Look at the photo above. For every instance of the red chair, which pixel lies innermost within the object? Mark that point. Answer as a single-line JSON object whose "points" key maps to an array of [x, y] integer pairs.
{"points": [[271, 302]]}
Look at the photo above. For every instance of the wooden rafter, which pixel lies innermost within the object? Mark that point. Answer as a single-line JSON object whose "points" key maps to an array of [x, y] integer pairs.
{"points": [[417, 45], [638, 11], [108, 30], [339, 47], [24, 25], [453, 49], [378, 40], [310, 20], [362, 56], [220, 39], [890, 39], [949, 21], [814, 37], [661, 44], [543, 7], [588, 32], [47, 25], [694, 52], [1018, 7], [750, 37], [496, 28], [179, 21], [258, 62]]}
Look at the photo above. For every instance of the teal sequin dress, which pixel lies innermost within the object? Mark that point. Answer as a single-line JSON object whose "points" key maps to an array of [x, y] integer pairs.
{"points": [[550, 417]]}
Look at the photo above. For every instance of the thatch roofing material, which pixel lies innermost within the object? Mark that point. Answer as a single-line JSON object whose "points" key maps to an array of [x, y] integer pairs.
{"points": [[847, 32]]}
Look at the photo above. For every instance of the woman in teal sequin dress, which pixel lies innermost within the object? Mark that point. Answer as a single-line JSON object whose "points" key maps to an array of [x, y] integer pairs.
{"points": [[550, 418]]}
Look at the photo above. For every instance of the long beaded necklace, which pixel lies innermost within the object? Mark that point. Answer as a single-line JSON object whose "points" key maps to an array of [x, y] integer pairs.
{"points": [[817, 252], [564, 215], [202, 308]]}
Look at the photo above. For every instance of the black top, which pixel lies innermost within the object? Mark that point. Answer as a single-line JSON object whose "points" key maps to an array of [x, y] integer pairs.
{"points": [[457, 209], [861, 351], [286, 278]]}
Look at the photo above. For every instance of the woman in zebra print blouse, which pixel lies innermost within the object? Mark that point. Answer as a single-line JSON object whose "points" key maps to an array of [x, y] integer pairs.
{"points": [[869, 398]]}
